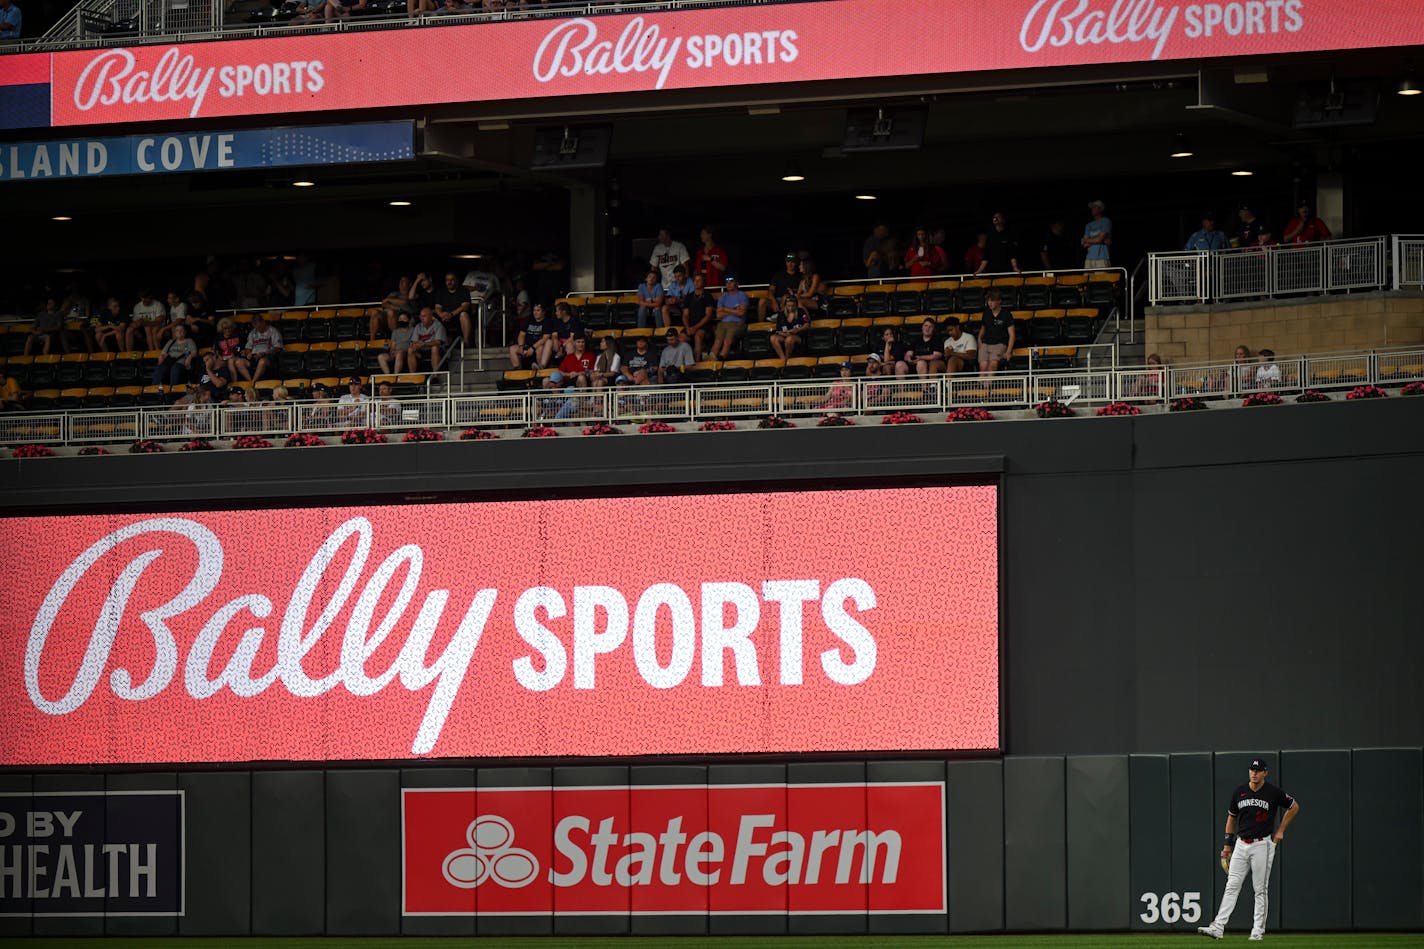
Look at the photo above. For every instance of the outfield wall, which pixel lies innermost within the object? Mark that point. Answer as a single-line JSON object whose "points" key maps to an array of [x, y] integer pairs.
{"points": [[1108, 842], [1239, 581]]}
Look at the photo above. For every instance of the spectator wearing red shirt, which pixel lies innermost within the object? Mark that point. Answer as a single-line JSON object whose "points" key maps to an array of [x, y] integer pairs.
{"points": [[710, 260], [1305, 227], [578, 365], [924, 259], [974, 256]]}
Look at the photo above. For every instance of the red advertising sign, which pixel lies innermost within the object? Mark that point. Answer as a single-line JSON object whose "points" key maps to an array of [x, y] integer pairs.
{"points": [[688, 49], [703, 850], [852, 620]]}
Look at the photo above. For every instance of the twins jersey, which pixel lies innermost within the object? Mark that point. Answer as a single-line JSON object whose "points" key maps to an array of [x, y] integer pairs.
{"points": [[1255, 811]]}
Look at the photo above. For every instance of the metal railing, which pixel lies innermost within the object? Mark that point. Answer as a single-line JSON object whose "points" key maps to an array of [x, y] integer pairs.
{"points": [[1361, 263], [99, 23], [689, 403], [1407, 258]]}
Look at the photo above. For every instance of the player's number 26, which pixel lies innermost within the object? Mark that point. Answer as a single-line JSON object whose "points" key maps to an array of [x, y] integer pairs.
{"points": [[1170, 908]]}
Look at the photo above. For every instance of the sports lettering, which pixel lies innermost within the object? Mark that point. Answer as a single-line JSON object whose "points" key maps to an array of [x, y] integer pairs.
{"points": [[112, 78]]}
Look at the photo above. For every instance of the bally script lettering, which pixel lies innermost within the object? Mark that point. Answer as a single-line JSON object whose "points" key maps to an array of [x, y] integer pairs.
{"points": [[603, 620]]}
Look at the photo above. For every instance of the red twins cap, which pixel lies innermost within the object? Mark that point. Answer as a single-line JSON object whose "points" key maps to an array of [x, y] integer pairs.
{"points": [[1258, 764]]}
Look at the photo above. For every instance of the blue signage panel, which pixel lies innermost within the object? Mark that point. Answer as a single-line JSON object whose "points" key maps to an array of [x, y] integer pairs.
{"points": [[160, 153], [114, 853]]}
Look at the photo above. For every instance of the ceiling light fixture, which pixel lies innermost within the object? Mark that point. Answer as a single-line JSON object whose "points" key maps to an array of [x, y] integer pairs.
{"points": [[400, 204], [1182, 148], [1242, 173], [793, 173], [865, 197], [468, 256], [1408, 86], [304, 184], [61, 217]]}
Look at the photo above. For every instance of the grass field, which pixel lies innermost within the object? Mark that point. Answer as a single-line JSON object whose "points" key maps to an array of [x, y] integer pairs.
{"points": [[1106, 941]]}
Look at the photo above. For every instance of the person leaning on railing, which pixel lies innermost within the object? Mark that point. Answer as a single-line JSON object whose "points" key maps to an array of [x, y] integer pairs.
{"points": [[1305, 227], [1208, 238]]}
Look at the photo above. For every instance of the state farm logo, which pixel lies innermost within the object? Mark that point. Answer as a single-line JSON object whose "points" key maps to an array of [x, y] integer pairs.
{"points": [[677, 848], [573, 47], [1092, 22], [114, 77], [490, 856]]}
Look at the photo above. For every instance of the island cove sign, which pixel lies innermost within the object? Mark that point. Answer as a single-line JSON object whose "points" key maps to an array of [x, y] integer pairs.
{"points": [[682, 49], [158, 153]]}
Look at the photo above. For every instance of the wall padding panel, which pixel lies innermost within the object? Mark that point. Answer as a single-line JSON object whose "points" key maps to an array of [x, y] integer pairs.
{"points": [[1388, 857], [1315, 855], [974, 799], [288, 853], [1035, 844], [363, 853], [1098, 849]]}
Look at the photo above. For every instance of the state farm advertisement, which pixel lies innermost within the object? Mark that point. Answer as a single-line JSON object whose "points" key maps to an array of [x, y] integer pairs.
{"points": [[688, 49], [689, 849], [832, 620]]}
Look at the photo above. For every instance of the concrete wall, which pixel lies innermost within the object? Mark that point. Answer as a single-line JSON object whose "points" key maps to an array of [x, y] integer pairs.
{"points": [[1187, 335]]}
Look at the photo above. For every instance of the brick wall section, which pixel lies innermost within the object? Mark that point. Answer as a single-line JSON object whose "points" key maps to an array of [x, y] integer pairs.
{"points": [[1185, 335]]}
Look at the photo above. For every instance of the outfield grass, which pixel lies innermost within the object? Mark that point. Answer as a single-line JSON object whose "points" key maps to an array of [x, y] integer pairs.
{"points": [[1105, 941]]}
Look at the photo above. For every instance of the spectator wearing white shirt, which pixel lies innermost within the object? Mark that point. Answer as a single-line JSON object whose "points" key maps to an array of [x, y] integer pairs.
{"points": [[961, 352], [426, 338], [148, 319], [351, 407], [667, 256], [264, 343], [1268, 374]]}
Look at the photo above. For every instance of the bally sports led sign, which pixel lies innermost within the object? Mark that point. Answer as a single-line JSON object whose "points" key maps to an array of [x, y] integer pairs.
{"points": [[685, 49], [580, 627]]}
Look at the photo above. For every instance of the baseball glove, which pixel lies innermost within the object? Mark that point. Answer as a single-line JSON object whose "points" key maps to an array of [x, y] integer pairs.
{"points": [[1226, 864]]}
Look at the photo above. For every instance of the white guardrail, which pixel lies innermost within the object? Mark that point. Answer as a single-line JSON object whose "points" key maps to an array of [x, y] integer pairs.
{"points": [[1363, 263], [632, 406]]}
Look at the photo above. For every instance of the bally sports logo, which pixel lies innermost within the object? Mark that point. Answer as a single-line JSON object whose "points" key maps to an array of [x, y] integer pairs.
{"points": [[683, 849], [114, 77], [1058, 23]]}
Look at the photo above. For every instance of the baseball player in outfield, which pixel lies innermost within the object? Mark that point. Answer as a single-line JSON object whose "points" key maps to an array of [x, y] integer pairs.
{"points": [[1251, 827]]}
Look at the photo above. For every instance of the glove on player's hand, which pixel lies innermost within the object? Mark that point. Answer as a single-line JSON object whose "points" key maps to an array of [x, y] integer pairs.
{"points": [[1225, 863]]}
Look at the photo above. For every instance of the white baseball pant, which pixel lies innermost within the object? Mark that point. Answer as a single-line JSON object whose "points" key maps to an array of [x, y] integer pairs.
{"points": [[1258, 857]]}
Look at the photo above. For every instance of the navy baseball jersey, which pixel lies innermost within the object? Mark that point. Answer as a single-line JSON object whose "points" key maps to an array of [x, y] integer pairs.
{"points": [[1255, 811]]}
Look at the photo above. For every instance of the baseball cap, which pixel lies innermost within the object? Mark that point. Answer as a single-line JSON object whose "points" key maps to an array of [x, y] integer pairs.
{"points": [[671, 333], [1258, 764], [790, 256], [556, 377], [845, 365], [353, 381], [728, 279]]}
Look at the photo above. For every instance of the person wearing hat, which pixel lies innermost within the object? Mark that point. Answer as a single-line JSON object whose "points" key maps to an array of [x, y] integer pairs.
{"points": [[426, 338], [732, 308], [781, 283], [639, 368], [351, 407], [1305, 227], [1251, 841], [1097, 237], [675, 358], [1249, 234], [1208, 238]]}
